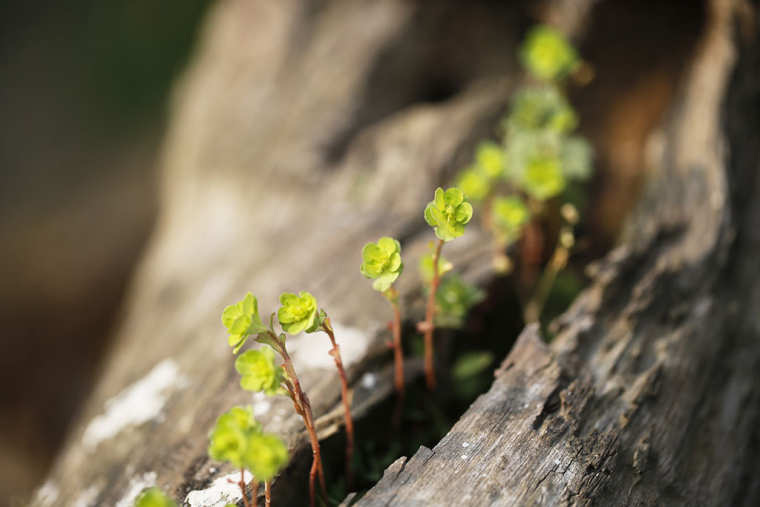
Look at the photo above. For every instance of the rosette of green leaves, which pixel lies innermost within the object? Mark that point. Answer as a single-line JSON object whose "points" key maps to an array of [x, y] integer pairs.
{"points": [[265, 455], [242, 320], [448, 213], [541, 108], [154, 497], [259, 372], [547, 54], [474, 184], [229, 437], [454, 299], [298, 313], [542, 178], [381, 262], [509, 215]]}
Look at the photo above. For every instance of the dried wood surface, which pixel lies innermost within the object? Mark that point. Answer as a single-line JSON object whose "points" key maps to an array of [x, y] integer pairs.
{"points": [[288, 149], [648, 393]]}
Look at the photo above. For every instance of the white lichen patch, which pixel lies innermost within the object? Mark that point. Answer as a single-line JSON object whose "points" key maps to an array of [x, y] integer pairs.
{"points": [[222, 491], [261, 404], [312, 350], [136, 485], [137, 404], [87, 497], [47, 494]]}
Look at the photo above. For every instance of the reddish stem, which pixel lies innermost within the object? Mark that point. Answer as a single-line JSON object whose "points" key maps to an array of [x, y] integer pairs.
{"points": [[301, 401], [268, 493], [242, 489], [335, 353], [428, 324], [254, 493]]}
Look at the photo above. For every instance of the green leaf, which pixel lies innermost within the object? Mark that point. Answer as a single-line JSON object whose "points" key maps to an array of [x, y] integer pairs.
{"points": [[265, 455], [298, 313], [547, 54], [426, 266], [241, 320], [454, 299], [229, 437], [381, 262], [259, 371], [448, 213], [154, 497], [471, 364]]}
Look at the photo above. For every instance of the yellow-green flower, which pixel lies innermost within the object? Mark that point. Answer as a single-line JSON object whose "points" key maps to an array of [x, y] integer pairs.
{"points": [[489, 158], [541, 107], [241, 320], [229, 438], [542, 178], [298, 313], [154, 497], [474, 184], [258, 371], [547, 54], [448, 213], [265, 455], [509, 214], [381, 262]]}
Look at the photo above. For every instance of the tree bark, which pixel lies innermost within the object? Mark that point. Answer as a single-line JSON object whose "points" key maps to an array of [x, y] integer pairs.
{"points": [[302, 131]]}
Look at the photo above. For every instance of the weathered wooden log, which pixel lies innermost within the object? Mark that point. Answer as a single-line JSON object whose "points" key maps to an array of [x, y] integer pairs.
{"points": [[284, 156], [647, 395], [287, 151]]}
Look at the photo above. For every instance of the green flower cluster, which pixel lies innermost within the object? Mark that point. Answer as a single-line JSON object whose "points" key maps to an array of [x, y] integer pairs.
{"points": [[509, 215], [237, 438], [298, 313], [454, 299], [154, 497], [381, 262], [259, 372], [489, 166], [547, 54], [541, 108], [448, 213], [242, 320]]}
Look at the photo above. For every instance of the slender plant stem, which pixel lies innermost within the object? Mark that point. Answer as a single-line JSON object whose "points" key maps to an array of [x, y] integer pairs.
{"points": [[429, 316], [242, 488], [398, 352], [268, 493], [557, 263], [254, 493], [302, 401], [335, 353]]}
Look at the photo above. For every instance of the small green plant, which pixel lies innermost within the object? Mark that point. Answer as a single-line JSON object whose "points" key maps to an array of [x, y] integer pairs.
{"points": [[258, 369], [299, 313], [237, 438], [381, 262], [539, 158], [448, 214], [154, 497]]}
